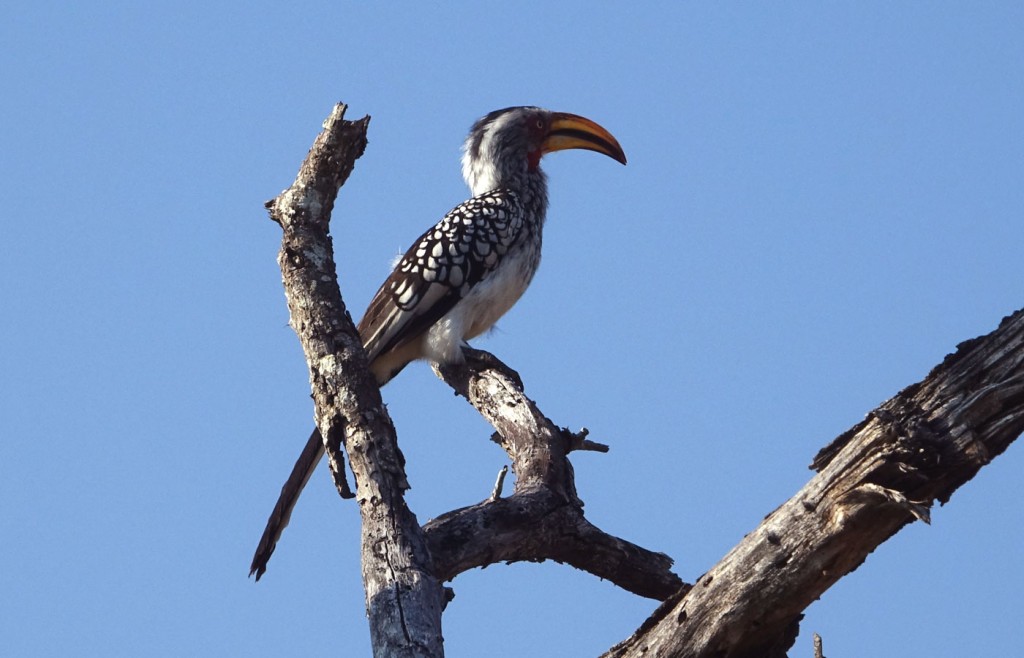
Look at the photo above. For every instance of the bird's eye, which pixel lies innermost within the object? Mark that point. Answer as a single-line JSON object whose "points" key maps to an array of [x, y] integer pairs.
{"points": [[540, 124]]}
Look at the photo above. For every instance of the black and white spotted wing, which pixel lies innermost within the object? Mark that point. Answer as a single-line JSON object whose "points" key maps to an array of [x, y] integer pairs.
{"points": [[440, 269]]}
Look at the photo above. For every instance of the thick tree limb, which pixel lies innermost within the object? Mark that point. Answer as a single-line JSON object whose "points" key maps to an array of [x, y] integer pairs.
{"points": [[403, 598], [882, 474]]}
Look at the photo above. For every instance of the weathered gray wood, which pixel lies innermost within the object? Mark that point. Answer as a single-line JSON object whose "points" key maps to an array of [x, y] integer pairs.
{"points": [[543, 519], [885, 472], [403, 598]]}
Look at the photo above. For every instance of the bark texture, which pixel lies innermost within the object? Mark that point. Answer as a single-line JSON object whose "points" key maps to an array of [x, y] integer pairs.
{"points": [[887, 471], [543, 519], [403, 598]]}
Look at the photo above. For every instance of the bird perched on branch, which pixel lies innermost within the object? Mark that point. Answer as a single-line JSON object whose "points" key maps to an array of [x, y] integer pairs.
{"points": [[463, 274]]}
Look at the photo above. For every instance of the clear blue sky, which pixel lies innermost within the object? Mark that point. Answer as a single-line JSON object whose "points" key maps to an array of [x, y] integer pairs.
{"points": [[820, 203]]}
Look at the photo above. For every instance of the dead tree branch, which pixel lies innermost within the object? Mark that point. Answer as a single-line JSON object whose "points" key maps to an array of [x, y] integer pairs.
{"points": [[543, 519], [887, 471], [403, 598]]}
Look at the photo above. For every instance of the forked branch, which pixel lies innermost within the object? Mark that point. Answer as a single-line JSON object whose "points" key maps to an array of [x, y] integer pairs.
{"points": [[543, 519]]}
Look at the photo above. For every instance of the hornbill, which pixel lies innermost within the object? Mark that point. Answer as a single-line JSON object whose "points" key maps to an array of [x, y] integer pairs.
{"points": [[463, 274]]}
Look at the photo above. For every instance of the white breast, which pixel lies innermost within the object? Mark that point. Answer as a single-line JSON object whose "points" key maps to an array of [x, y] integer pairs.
{"points": [[484, 304]]}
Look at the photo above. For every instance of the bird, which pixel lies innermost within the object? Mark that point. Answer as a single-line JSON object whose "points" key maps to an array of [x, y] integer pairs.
{"points": [[468, 270]]}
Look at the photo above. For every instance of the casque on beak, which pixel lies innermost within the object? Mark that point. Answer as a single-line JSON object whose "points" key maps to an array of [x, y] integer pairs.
{"points": [[571, 131]]}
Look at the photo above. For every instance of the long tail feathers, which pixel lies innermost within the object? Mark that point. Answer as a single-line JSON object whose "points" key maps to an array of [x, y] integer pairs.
{"points": [[282, 513]]}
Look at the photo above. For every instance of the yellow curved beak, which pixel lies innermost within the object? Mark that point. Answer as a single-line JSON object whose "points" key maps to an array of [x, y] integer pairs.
{"points": [[570, 131]]}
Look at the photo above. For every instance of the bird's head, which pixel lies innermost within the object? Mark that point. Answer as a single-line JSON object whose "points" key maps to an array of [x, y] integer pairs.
{"points": [[508, 144]]}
